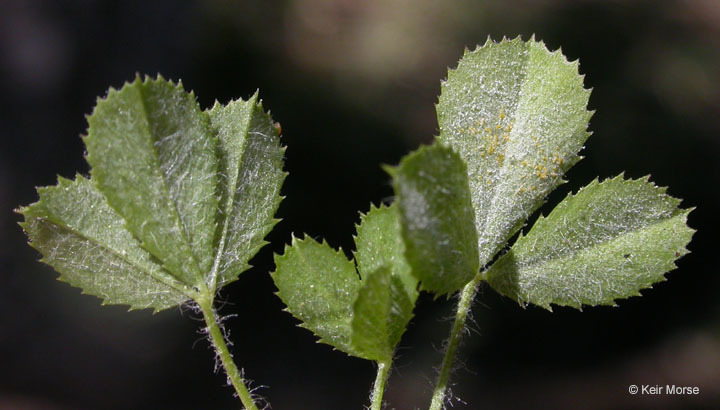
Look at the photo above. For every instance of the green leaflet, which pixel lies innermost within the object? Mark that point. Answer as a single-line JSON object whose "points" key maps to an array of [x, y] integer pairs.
{"points": [[379, 244], [434, 200], [371, 334], [516, 113], [607, 242], [362, 314], [152, 153], [155, 225], [319, 286], [386, 300], [86, 241], [250, 163]]}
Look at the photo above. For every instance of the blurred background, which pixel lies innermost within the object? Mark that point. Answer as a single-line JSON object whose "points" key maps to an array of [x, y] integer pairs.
{"points": [[354, 85]]}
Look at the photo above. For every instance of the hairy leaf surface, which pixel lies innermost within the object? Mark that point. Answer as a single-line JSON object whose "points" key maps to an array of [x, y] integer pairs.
{"points": [[178, 202], [389, 291], [152, 154], [516, 113], [319, 286], [379, 243], [251, 174], [607, 242], [438, 226], [86, 241]]}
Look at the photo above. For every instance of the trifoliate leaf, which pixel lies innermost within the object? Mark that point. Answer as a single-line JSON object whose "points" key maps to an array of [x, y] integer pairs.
{"points": [[362, 314], [607, 242], [319, 286], [516, 113], [153, 155], [86, 241], [437, 217], [250, 163], [155, 225]]}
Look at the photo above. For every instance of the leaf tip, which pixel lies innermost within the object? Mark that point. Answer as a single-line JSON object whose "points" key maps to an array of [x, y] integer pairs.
{"points": [[390, 170]]}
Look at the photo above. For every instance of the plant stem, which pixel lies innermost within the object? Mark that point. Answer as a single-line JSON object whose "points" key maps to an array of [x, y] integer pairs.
{"points": [[376, 399], [466, 298], [218, 341]]}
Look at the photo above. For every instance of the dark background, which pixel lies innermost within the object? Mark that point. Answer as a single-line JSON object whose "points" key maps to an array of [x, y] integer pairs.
{"points": [[354, 85]]}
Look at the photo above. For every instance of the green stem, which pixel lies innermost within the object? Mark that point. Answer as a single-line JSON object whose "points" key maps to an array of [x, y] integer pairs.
{"points": [[466, 298], [218, 342], [376, 399]]}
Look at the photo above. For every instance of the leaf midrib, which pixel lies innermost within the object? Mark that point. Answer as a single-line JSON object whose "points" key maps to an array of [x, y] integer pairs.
{"points": [[167, 280], [173, 206], [503, 171], [570, 253], [232, 192]]}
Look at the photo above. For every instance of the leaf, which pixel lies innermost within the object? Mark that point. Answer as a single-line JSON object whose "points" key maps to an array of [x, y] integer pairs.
{"points": [[152, 154], [86, 241], [388, 294], [251, 174], [155, 225], [362, 314], [379, 244], [607, 242], [319, 286], [437, 217], [371, 336], [516, 113]]}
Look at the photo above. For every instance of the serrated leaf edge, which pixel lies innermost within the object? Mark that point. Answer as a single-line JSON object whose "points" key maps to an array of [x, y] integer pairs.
{"points": [[159, 79], [489, 43], [682, 212], [29, 212]]}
